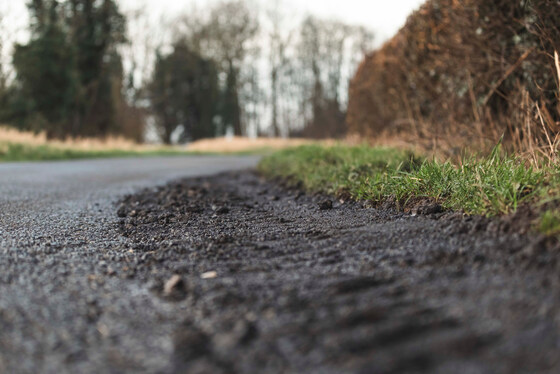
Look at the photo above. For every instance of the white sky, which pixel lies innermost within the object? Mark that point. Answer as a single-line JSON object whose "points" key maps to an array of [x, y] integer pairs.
{"points": [[385, 17]]}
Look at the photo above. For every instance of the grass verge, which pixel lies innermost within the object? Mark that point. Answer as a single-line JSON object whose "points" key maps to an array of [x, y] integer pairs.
{"points": [[488, 186], [18, 145], [14, 152], [10, 152]]}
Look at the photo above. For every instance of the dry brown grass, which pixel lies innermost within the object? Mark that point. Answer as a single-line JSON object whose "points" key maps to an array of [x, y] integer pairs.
{"points": [[241, 144], [530, 133], [537, 140], [10, 135], [218, 145]]}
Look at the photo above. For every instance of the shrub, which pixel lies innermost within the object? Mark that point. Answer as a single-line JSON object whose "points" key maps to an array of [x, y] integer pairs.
{"points": [[466, 72]]}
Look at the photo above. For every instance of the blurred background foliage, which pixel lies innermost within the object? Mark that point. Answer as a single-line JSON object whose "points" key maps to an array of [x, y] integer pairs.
{"points": [[459, 74], [228, 68]]}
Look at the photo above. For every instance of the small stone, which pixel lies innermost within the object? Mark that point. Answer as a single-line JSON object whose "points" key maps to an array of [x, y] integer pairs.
{"points": [[175, 283], [121, 212], [326, 205], [222, 210], [209, 275], [103, 330], [480, 258]]}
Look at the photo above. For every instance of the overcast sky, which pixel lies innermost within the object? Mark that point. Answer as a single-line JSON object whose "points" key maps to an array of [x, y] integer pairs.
{"points": [[385, 17]]}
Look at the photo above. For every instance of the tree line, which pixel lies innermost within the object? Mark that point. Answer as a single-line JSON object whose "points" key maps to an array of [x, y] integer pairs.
{"points": [[230, 67]]}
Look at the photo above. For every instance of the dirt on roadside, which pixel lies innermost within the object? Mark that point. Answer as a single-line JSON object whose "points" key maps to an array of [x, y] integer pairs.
{"points": [[266, 279]]}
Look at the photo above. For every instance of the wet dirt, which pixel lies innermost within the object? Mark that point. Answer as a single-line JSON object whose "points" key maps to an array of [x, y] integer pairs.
{"points": [[266, 279]]}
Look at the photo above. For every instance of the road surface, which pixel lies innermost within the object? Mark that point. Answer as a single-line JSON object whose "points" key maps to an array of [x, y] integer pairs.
{"points": [[56, 222]]}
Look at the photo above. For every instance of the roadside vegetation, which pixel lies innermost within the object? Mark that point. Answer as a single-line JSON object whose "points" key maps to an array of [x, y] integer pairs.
{"points": [[419, 89], [219, 68], [26, 152], [494, 185], [26, 146]]}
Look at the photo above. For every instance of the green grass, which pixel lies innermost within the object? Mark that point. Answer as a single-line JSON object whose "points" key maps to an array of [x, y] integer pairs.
{"points": [[550, 223], [12, 152], [488, 186]]}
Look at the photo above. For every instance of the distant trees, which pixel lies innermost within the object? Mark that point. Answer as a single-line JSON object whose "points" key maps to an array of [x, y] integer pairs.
{"points": [[47, 83], [4, 61], [69, 75], [282, 79], [325, 49], [227, 68], [224, 34], [279, 38], [3, 78], [184, 92]]}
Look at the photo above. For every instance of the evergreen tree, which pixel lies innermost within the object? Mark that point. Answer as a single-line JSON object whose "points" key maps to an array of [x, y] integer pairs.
{"points": [[47, 80], [231, 109], [96, 30], [69, 75], [184, 92]]}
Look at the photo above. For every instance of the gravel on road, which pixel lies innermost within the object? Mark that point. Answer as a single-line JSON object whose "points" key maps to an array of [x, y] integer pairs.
{"points": [[62, 309]]}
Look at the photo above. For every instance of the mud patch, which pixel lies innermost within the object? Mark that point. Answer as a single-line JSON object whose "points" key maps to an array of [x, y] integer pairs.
{"points": [[267, 279]]}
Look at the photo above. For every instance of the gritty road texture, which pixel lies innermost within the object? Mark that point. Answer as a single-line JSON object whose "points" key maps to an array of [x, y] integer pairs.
{"points": [[62, 309], [233, 274]]}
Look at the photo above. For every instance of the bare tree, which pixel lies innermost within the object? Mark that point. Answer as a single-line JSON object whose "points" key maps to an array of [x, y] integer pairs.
{"points": [[280, 41], [8, 34], [145, 35], [2, 46], [327, 53], [226, 34], [271, 70]]}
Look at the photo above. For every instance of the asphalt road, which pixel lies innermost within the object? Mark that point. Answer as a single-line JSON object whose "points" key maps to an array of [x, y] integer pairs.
{"points": [[57, 224]]}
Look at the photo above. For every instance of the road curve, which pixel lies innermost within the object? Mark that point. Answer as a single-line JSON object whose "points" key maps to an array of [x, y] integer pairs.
{"points": [[35, 196], [56, 230]]}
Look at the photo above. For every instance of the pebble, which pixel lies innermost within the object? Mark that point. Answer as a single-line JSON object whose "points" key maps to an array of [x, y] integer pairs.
{"points": [[209, 275], [173, 284]]}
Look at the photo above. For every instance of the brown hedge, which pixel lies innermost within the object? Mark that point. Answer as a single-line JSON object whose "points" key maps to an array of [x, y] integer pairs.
{"points": [[468, 67]]}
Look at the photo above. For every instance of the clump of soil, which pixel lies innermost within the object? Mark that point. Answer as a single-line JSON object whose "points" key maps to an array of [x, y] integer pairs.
{"points": [[269, 280]]}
